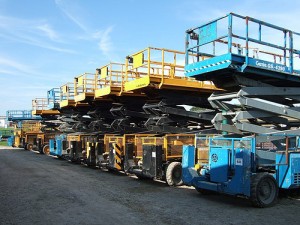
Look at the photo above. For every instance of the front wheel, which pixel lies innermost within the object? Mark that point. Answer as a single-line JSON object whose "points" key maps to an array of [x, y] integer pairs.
{"points": [[46, 150], [29, 146], [174, 174], [264, 190]]}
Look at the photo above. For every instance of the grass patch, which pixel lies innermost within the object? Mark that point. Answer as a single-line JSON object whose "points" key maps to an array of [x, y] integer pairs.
{"points": [[6, 132], [2, 128], [3, 143]]}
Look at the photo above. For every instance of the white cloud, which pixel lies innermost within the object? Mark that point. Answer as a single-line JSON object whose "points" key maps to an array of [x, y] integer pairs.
{"points": [[30, 32], [74, 11], [71, 10], [48, 31], [105, 43], [11, 64]]}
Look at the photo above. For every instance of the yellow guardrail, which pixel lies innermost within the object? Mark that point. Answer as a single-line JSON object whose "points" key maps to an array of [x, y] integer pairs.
{"points": [[109, 79], [39, 104], [67, 94], [171, 143], [84, 86], [162, 68]]}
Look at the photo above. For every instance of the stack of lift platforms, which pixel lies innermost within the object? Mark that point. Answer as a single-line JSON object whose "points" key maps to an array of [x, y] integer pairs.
{"points": [[132, 116], [128, 116]]}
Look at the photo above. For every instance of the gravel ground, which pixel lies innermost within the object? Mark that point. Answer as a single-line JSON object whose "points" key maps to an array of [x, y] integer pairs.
{"points": [[37, 189]]}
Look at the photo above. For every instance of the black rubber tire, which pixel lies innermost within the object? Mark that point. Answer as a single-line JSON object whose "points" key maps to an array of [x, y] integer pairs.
{"points": [[46, 150], [264, 190], [29, 146], [174, 174]]}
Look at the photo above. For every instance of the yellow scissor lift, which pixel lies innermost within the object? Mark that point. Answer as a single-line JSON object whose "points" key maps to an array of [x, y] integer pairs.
{"points": [[25, 134], [160, 68], [49, 118], [83, 146], [116, 148], [77, 146], [159, 74], [126, 107], [72, 111], [159, 157], [29, 134], [109, 82]]}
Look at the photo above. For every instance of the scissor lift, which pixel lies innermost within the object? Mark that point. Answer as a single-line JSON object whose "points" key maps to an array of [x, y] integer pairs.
{"points": [[73, 111], [159, 74], [50, 122], [23, 121], [29, 131], [260, 74], [158, 157], [126, 107], [258, 67]]}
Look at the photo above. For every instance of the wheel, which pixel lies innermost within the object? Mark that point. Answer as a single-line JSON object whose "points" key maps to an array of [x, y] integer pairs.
{"points": [[264, 190], [174, 174], [29, 146], [46, 150]]}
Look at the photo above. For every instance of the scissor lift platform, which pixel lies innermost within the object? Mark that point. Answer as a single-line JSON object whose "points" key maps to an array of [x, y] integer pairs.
{"points": [[40, 107], [84, 87], [110, 81], [67, 97], [160, 68], [20, 115], [53, 98], [260, 54]]}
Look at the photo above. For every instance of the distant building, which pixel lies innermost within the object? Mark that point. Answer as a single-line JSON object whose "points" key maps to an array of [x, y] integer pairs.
{"points": [[3, 121]]}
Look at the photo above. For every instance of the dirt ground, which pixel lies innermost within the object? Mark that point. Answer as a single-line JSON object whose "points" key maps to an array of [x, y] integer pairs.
{"points": [[38, 189]]}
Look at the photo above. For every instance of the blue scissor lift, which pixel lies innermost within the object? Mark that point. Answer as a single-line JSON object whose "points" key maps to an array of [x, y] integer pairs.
{"points": [[19, 118], [57, 145], [256, 64]]}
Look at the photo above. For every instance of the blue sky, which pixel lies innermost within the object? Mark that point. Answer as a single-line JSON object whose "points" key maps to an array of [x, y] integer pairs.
{"points": [[46, 43]]}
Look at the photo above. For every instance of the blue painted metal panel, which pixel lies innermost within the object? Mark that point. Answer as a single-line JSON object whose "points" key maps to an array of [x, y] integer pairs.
{"points": [[10, 141], [208, 33], [53, 97], [262, 64], [59, 147], [288, 175], [241, 179], [219, 164], [56, 146], [52, 146], [209, 65], [188, 161], [16, 115]]}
